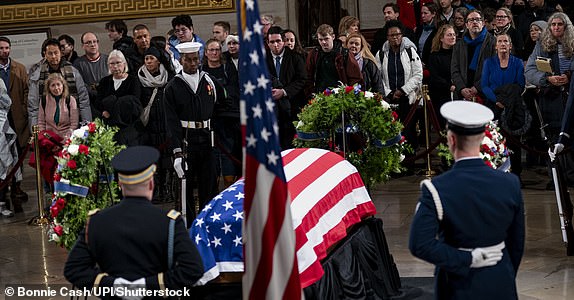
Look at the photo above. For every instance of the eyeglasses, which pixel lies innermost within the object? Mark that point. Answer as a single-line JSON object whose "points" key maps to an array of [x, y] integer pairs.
{"points": [[90, 42], [233, 43], [474, 20], [501, 17], [182, 30]]}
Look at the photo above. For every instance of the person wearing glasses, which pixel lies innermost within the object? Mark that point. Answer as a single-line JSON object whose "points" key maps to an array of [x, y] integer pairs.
{"points": [[93, 66], [67, 48], [468, 57], [402, 72], [183, 32], [504, 21]]}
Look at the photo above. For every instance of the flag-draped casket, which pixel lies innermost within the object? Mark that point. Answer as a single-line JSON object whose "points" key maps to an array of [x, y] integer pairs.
{"points": [[328, 196]]}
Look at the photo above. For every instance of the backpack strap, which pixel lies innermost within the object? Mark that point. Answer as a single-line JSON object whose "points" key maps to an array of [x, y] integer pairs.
{"points": [[435, 196]]}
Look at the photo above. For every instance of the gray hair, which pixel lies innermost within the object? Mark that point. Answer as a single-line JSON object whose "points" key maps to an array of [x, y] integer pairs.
{"points": [[550, 44], [120, 55]]}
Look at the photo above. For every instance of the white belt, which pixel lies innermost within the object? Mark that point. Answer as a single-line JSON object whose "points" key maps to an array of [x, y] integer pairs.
{"points": [[196, 124], [498, 246]]}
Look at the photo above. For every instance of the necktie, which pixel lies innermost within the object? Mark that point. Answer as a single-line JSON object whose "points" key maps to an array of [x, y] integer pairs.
{"points": [[277, 65]]}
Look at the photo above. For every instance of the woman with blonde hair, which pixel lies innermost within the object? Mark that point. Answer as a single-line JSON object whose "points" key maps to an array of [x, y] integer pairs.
{"points": [[358, 46], [440, 84], [58, 111], [347, 25]]}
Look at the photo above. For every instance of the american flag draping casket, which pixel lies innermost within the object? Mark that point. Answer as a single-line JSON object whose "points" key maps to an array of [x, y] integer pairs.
{"points": [[328, 196]]}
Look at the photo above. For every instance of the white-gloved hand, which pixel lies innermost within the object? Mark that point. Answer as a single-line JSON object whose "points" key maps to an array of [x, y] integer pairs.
{"points": [[551, 154], [558, 147], [485, 258], [121, 282], [179, 165], [132, 286]]}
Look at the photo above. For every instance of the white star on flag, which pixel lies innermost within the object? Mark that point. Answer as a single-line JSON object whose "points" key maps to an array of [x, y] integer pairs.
{"points": [[254, 57], [199, 222], [238, 215], [249, 4], [257, 27], [239, 195], [265, 134], [272, 157], [197, 238], [215, 216], [251, 140], [270, 104], [228, 205], [249, 88], [262, 81], [207, 207], [216, 242], [237, 241], [247, 35], [257, 111], [226, 228]]}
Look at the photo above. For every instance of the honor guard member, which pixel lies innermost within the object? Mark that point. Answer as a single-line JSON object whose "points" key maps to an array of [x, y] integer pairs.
{"points": [[134, 243], [191, 97], [469, 221]]}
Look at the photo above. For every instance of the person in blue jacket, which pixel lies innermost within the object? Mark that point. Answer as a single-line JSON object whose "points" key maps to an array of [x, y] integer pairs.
{"points": [[469, 221]]}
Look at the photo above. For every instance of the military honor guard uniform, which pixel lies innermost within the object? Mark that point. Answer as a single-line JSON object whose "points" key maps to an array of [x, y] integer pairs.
{"points": [[191, 98], [469, 221], [129, 243]]}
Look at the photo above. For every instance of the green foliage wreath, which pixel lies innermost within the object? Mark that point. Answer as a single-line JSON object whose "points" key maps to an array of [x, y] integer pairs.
{"points": [[83, 180], [374, 143]]}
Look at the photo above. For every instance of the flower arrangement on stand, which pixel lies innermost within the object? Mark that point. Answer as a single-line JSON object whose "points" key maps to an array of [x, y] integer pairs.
{"points": [[493, 149], [373, 141], [83, 180]]}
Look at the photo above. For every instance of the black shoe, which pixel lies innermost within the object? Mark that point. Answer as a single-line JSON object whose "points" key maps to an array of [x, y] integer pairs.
{"points": [[550, 185]]}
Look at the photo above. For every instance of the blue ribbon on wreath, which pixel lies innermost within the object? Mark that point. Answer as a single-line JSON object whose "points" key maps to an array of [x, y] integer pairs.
{"points": [[74, 189]]}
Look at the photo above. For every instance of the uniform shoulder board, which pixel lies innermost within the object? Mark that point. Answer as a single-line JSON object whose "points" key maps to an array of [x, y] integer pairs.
{"points": [[173, 214], [93, 212]]}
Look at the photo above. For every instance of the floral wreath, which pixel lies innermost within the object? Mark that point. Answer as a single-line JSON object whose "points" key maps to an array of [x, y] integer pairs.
{"points": [[493, 150], [83, 180], [373, 142]]}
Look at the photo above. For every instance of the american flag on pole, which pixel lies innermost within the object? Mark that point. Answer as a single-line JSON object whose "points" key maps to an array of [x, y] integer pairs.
{"points": [[268, 237]]}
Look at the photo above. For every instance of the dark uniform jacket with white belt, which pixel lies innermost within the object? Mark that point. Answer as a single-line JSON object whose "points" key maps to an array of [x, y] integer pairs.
{"points": [[482, 207], [130, 240], [195, 109]]}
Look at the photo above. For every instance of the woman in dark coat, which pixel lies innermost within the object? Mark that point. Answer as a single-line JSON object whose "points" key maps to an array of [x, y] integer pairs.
{"points": [[153, 77], [357, 45], [118, 100], [440, 84]]}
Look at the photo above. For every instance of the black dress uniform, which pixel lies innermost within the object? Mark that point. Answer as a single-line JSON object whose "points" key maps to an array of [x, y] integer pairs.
{"points": [[470, 206], [130, 240], [189, 116]]}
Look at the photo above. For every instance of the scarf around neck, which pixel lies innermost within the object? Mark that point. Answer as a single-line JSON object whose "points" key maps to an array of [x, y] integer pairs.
{"points": [[477, 44], [359, 59], [148, 80]]}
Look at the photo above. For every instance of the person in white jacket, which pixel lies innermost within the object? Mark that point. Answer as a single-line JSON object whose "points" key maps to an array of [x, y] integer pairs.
{"points": [[402, 72]]}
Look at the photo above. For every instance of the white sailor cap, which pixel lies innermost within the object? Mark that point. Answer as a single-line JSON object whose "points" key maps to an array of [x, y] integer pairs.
{"points": [[188, 47], [465, 117]]}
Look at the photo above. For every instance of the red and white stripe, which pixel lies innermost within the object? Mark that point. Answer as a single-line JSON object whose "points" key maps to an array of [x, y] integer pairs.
{"points": [[328, 196]]}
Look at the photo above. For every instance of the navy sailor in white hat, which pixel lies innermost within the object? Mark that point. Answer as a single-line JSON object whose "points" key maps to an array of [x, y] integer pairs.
{"points": [[192, 100], [469, 221]]}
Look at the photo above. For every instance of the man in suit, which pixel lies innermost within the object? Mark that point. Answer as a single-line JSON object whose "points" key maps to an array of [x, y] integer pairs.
{"points": [[469, 221], [287, 69], [128, 244]]}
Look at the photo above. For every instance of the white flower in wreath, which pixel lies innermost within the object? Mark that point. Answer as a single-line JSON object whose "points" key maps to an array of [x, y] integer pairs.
{"points": [[300, 124], [489, 143], [73, 149], [80, 133], [336, 90], [54, 237]]}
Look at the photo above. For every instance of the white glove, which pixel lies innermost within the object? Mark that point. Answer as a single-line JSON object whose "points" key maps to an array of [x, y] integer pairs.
{"points": [[558, 147], [485, 258], [135, 285], [179, 165], [121, 282]]}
